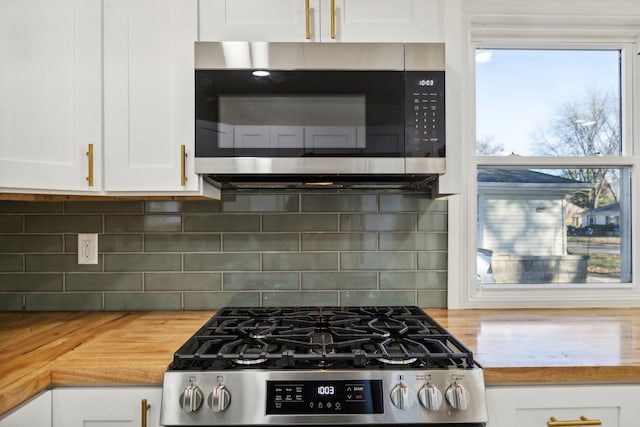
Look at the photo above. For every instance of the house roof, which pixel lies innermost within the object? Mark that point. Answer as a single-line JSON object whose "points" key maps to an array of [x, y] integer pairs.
{"points": [[523, 176], [612, 208]]}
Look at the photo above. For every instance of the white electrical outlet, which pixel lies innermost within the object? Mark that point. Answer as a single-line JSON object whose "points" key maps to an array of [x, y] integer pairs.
{"points": [[87, 248]]}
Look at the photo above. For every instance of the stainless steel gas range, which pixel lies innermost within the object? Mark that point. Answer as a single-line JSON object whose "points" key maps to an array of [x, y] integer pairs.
{"points": [[323, 366]]}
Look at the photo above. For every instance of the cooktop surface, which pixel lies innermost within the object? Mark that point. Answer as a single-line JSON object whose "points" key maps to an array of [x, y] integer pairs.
{"points": [[398, 337]]}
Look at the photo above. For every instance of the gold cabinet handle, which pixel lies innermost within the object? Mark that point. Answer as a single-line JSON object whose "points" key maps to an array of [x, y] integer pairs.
{"points": [[307, 12], [144, 408], [183, 165], [583, 421], [333, 19], [90, 168]]}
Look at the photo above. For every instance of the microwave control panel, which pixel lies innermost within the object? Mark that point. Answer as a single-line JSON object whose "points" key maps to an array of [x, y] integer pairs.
{"points": [[424, 114]]}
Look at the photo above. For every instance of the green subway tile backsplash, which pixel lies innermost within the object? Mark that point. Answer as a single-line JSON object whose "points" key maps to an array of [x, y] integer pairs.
{"points": [[142, 262], [11, 223], [142, 301], [339, 280], [58, 263], [413, 241], [215, 300], [304, 222], [339, 203], [261, 242], [300, 261], [220, 223], [11, 302], [377, 261], [104, 207], [363, 298], [378, 222], [269, 248], [63, 223], [30, 207], [92, 282], [280, 299], [183, 206], [260, 281], [21, 243], [339, 241], [63, 301], [182, 242], [26, 282], [260, 202], [182, 281], [142, 223], [10, 262], [222, 262]]}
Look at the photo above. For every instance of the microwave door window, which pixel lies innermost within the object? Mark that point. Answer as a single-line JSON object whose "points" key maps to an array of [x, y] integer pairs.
{"points": [[299, 113]]}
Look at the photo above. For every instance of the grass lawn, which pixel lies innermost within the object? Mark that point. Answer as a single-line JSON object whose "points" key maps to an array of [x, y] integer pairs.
{"points": [[600, 263]]}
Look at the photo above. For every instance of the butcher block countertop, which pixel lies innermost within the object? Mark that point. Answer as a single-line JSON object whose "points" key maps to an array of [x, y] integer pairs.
{"points": [[40, 350]]}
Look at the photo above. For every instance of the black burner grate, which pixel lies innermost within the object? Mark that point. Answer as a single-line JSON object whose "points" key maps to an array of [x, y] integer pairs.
{"points": [[321, 337]]}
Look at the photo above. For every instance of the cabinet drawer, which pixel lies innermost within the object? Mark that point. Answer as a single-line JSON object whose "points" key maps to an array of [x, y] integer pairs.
{"points": [[533, 406]]}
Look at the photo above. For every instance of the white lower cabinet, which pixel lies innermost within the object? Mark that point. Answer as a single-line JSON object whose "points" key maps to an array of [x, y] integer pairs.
{"points": [[34, 413], [105, 406], [533, 406]]}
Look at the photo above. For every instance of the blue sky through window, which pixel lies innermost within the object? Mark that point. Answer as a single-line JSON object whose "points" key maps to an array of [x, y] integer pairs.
{"points": [[520, 90]]}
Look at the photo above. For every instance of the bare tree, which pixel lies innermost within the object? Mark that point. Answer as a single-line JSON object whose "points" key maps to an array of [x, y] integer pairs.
{"points": [[486, 146], [589, 126]]}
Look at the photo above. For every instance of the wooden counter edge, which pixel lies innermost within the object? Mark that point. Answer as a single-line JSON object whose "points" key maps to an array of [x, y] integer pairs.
{"points": [[561, 375]]}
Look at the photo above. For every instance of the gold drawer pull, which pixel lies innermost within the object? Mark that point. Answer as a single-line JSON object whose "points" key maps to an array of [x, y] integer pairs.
{"points": [[90, 165], [333, 19], [307, 18], [144, 407], [583, 421], [183, 165]]}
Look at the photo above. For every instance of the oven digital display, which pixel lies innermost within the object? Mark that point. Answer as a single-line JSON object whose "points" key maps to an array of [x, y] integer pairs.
{"points": [[324, 397]]}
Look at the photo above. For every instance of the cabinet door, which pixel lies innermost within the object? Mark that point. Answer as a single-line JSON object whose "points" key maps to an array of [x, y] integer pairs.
{"points": [[105, 406], [533, 406], [383, 20], [149, 94], [36, 413], [259, 20], [50, 94]]}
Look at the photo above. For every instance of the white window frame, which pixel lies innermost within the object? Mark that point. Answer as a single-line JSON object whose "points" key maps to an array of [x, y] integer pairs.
{"points": [[544, 32]]}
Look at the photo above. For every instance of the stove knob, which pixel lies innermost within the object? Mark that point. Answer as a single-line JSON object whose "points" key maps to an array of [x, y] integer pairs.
{"points": [[400, 396], [430, 397], [219, 399], [458, 396], [191, 399]]}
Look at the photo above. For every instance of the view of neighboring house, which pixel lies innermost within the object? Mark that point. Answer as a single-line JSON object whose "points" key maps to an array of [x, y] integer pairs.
{"points": [[574, 215], [604, 215], [524, 212]]}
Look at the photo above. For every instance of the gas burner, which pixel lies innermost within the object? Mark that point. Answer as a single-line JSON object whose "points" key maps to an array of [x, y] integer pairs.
{"points": [[249, 362], [397, 361], [321, 337]]}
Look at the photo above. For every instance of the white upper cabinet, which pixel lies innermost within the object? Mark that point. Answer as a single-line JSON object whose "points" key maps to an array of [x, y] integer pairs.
{"points": [[149, 95], [322, 20], [50, 94]]}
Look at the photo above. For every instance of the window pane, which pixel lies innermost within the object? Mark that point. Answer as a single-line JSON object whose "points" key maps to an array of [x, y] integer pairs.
{"points": [[541, 102], [553, 226]]}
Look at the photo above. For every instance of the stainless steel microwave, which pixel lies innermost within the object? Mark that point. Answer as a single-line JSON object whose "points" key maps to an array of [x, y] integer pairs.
{"points": [[346, 114]]}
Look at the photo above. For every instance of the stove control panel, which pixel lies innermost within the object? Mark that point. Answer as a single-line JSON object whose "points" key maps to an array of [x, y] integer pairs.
{"points": [[255, 397], [324, 397]]}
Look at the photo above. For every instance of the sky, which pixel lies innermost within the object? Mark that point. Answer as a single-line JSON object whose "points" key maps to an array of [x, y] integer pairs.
{"points": [[519, 91]]}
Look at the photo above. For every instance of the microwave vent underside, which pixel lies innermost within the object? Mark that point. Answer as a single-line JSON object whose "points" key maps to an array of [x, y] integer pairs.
{"points": [[419, 183]]}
